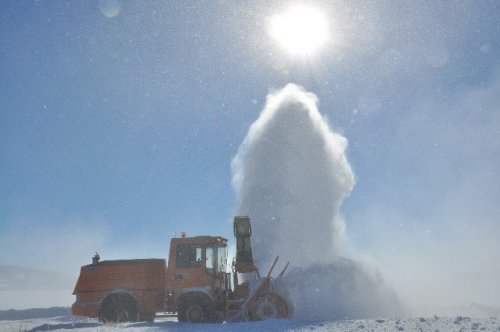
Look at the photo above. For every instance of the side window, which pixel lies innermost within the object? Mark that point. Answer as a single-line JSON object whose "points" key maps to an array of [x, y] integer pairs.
{"points": [[221, 259], [188, 255], [198, 257]]}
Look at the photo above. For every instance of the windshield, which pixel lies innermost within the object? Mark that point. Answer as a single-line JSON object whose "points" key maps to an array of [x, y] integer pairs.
{"points": [[216, 259]]}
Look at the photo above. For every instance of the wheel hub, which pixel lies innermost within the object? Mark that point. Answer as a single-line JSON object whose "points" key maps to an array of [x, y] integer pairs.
{"points": [[195, 314], [267, 310]]}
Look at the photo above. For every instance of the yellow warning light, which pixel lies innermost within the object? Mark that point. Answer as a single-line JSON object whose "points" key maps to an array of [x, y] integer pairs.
{"points": [[183, 234]]}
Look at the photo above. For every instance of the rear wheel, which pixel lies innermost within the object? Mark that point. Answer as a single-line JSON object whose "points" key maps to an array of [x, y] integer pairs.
{"points": [[269, 306], [118, 308], [196, 308], [148, 317]]}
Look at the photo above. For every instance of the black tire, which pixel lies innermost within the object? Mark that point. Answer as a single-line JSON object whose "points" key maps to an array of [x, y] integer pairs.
{"points": [[269, 306], [117, 308], [148, 317], [196, 308]]}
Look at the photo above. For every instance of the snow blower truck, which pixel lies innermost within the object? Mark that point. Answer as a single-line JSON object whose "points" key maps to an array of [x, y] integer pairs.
{"points": [[195, 285]]}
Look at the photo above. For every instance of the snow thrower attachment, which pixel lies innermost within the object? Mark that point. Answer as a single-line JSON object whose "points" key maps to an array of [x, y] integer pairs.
{"points": [[264, 298]]}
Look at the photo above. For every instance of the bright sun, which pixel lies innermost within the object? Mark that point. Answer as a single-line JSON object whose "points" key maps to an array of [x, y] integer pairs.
{"points": [[301, 30]]}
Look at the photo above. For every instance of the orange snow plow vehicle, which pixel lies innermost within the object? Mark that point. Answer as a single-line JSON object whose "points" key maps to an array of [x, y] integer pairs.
{"points": [[194, 286]]}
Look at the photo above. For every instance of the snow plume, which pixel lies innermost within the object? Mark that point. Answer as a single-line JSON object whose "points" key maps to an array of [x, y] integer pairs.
{"points": [[291, 175]]}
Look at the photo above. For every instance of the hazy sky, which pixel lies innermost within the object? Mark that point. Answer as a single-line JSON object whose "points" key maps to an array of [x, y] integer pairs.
{"points": [[119, 120]]}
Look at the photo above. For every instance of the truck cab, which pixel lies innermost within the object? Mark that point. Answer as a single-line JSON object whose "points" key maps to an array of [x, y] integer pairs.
{"points": [[196, 262], [196, 272]]}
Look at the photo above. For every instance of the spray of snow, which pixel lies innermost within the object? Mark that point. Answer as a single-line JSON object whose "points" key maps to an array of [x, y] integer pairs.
{"points": [[291, 175]]}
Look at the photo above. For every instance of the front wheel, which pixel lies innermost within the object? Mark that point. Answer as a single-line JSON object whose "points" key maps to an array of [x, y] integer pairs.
{"points": [[196, 309], [269, 306]]}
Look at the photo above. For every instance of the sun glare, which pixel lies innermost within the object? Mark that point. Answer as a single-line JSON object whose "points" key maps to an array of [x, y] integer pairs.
{"points": [[301, 30]]}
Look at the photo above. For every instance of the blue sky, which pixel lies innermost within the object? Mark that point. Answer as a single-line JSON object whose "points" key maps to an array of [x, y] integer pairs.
{"points": [[118, 132]]}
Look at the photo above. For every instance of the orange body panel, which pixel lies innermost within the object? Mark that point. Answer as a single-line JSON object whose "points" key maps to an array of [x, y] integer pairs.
{"points": [[143, 279]]}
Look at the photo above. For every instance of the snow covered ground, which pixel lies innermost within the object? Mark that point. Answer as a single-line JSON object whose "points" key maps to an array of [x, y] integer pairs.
{"points": [[435, 323]]}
